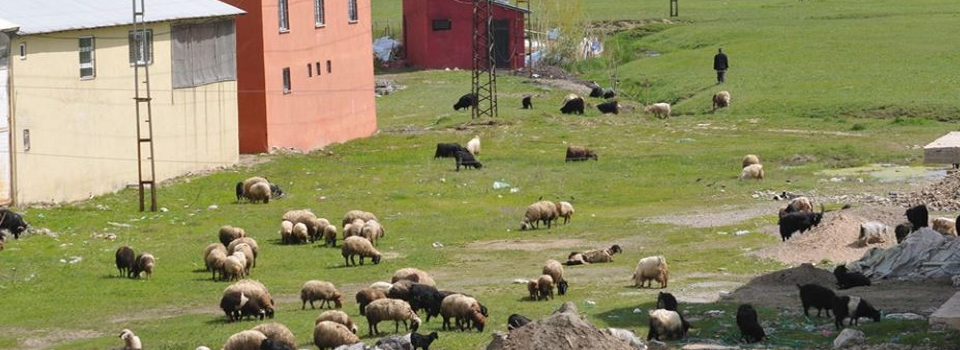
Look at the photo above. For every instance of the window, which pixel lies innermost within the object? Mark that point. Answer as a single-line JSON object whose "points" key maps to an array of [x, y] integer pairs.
{"points": [[329, 67], [441, 24], [284, 16], [318, 68], [352, 10], [87, 68], [309, 70], [286, 80], [318, 12], [23, 51], [141, 47]]}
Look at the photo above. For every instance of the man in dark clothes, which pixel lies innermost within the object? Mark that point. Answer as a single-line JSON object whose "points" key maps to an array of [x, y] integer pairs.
{"points": [[720, 65]]}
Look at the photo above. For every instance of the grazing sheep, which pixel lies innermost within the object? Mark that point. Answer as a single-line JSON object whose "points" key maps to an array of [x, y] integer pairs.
{"points": [[555, 270], [352, 215], [145, 264], [666, 301], [596, 91], [239, 191], [650, 269], [902, 231], [372, 231], [382, 286], [425, 297], [259, 192], [847, 279], [400, 290], [721, 100], [130, 341], [247, 254], [235, 305], [353, 246], [414, 275], [565, 211], [608, 94], [799, 204], [329, 335], [473, 146], [593, 256], [749, 160], [854, 308], [330, 235], [466, 160], [527, 102], [609, 107], [798, 221], [245, 340], [578, 153], [447, 150], [313, 290], [230, 233], [126, 261], [278, 334], [234, 267], [873, 232], [210, 249], [390, 310], [666, 325], [298, 216], [465, 310], [466, 101], [248, 183], [572, 104], [366, 295], [338, 317], [749, 325], [286, 231], [250, 242], [814, 295], [13, 222], [545, 286], [946, 226], [545, 211], [659, 110], [752, 171], [352, 230], [516, 321], [299, 234], [533, 287], [420, 341], [275, 191], [918, 216], [258, 293]]}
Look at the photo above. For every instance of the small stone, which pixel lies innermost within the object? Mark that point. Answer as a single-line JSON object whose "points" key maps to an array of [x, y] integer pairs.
{"points": [[213, 207], [849, 337]]}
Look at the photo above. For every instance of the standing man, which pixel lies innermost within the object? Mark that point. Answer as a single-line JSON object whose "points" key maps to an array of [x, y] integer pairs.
{"points": [[720, 65]]}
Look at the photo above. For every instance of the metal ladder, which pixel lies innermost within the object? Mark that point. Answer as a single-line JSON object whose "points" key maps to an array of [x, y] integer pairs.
{"points": [[484, 65], [142, 99]]}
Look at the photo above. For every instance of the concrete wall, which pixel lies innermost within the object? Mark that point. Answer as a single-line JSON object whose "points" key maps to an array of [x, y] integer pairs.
{"points": [[83, 132]]}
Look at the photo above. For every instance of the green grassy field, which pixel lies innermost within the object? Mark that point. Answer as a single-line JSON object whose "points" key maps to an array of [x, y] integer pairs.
{"points": [[848, 83]]}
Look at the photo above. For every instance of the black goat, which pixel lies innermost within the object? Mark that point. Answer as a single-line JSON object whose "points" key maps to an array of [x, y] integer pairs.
{"points": [[750, 329], [609, 93], [609, 107], [918, 216], [527, 102], [425, 297], [466, 101], [12, 222], [562, 287], [815, 295], [572, 105], [666, 301], [420, 341], [447, 150], [798, 221], [465, 159], [516, 321], [596, 91], [854, 308], [846, 279], [240, 196]]}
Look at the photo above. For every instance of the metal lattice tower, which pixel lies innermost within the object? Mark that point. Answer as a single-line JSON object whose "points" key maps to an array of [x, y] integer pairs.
{"points": [[484, 66], [144, 110]]}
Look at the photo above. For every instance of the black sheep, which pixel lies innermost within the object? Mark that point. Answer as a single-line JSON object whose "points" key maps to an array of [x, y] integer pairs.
{"points": [[251, 309], [516, 321], [666, 301], [814, 295], [466, 101], [126, 261], [465, 159], [447, 150], [420, 341], [797, 221], [527, 102], [609, 93], [854, 308], [573, 105], [609, 107], [846, 279], [903, 230], [750, 329], [596, 91], [12, 222], [275, 191], [425, 297], [269, 344], [240, 196], [918, 216]]}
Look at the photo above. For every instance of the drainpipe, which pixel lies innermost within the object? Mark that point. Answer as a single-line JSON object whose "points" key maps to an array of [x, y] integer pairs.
{"points": [[12, 33]]}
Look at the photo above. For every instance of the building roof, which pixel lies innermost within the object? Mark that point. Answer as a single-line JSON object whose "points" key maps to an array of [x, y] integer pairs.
{"points": [[6, 26], [506, 4], [45, 16]]}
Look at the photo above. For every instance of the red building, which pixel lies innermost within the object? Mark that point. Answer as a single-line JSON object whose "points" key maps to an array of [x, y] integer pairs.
{"points": [[438, 34], [305, 73]]}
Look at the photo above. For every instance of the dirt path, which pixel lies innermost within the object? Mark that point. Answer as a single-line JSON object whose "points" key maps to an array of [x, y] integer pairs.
{"points": [[721, 216]]}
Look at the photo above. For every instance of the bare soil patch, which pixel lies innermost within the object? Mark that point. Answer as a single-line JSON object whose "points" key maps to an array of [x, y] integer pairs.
{"points": [[49, 338], [713, 217], [527, 245]]}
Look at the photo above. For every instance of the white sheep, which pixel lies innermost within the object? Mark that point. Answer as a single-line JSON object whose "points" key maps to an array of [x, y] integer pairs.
{"points": [[286, 231], [250, 258], [259, 192], [330, 235], [660, 110], [945, 226], [650, 269], [315, 227], [234, 267], [249, 241], [465, 310], [248, 183], [554, 269], [565, 211], [372, 231], [545, 211], [721, 100], [873, 232], [245, 340], [299, 234], [749, 159], [353, 246], [366, 295], [381, 285], [256, 293], [278, 333], [313, 290], [413, 274], [594, 256], [230, 233], [545, 285], [215, 258], [473, 146], [801, 204], [390, 310], [752, 171], [357, 214], [338, 317], [130, 341], [353, 229], [329, 335], [145, 264], [666, 325]]}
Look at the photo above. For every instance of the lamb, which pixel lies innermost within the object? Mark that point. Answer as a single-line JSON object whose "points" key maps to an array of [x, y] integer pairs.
{"points": [[593, 256], [234, 267], [798, 221], [918, 216], [466, 101], [473, 146], [447, 150], [299, 234], [749, 325], [946, 226], [277, 334], [338, 317], [329, 335], [753, 171], [126, 261], [545, 211], [130, 341], [259, 192], [555, 270], [572, 104], [666, 325], [145, 264], [414, 275], [846, 279], [873, 232], [250, 242], [372, 231], [366, 295], [815, 295], [533, 287], [230, 233], [465, 310], [527, 102], [565, 211], [749, 160], [245, 340], [466, 160], [545, 286], [390, 309], [659, 110], [854, 308], [516, 321], [286, 231], [420, 341], [12, 222], [609, 107], [352, 215], [330, 235], [721, 100], [313, 290], [578, 153], [353, 246], [650, 269], [902, 230], [250, 258]]}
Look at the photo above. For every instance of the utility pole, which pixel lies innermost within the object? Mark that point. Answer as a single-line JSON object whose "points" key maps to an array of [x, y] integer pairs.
{"points": [[484, 67], [142, 99]]}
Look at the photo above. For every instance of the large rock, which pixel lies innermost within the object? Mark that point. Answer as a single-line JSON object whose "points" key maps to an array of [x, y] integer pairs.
{"points": [[564, 330], [849, 337]]}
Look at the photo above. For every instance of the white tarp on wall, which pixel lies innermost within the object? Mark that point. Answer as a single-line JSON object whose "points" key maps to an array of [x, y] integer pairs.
{"points": [[203, 53]]}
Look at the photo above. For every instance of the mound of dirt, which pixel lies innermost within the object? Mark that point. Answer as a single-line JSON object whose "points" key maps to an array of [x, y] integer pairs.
{"points": [[835, 239], [944, 195], [563, 330], [803, 274]]}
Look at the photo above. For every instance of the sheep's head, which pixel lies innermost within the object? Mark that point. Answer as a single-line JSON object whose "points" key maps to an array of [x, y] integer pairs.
{"points": [[269, 309], [338, 300], [479, 321], [615, 249], [525, 225], [592, 154], [875, 315], [414, 323], [126, 334], [562, 287], [376, 259]]}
